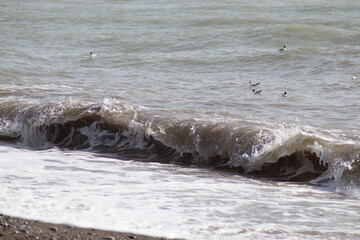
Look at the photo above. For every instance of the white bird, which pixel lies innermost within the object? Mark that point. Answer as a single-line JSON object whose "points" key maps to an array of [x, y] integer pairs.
{"points": [[92, 54], [284, 94], [253, 84], [282, 49], [353, 77], [257, 91]]}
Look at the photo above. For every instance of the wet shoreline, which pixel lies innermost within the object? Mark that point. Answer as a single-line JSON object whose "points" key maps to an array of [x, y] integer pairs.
{"points": [[13, 228]]}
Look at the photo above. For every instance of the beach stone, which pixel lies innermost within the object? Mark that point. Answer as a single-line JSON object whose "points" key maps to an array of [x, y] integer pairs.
{"points": [[108, 238], [4, 224], [23, 227], [23, 230]]}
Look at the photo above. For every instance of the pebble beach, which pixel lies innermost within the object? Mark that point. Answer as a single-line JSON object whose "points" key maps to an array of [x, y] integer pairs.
{"points": [[13, 228]]}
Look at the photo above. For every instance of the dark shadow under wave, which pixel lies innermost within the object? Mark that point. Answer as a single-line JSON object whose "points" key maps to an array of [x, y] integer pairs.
{"points": [[286, 167]]}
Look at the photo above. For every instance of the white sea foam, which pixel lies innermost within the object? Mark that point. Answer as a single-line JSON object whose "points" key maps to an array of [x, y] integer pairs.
{"points": [[165, 200]]}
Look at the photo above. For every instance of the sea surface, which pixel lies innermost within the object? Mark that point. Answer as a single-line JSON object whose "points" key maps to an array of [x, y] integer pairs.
{"points": [[159, 132]]}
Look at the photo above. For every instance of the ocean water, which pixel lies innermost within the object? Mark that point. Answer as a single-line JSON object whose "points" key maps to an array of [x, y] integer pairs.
{"points": [[159, 131]]}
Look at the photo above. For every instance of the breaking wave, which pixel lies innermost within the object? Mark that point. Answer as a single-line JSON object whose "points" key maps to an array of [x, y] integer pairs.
{"points": [[120, 130]]}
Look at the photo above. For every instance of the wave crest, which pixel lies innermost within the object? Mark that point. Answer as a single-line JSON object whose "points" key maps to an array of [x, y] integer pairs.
{"points": [[123, 131]]}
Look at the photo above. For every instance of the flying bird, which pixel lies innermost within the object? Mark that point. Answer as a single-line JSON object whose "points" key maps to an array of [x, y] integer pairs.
{"points": [[257, 91], [254, 84]]}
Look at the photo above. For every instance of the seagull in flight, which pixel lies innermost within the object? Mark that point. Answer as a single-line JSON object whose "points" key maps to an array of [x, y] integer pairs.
{"points": [[257, 91], [253, 84]]}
